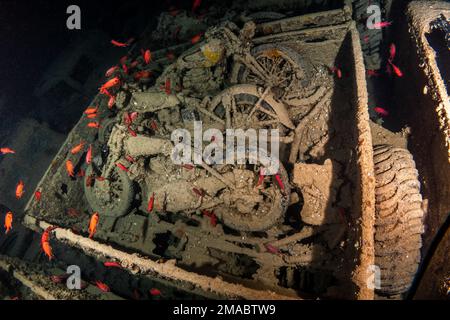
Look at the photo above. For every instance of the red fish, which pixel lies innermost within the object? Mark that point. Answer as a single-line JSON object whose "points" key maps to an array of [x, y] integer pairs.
{"points": [[112, 264], [37, 196], [110, 83], [102, 286], [6, 151], [130, 159], [154, 125], [147, 56], [167, 86], [92, 116], [100, 179], [382, 24], [200, 192], [110, 71], [111, 101], [131, 132], [272, 249], [89, 180], [382, 112], [20, 189], [45, 242], [77, 148], [123, 60], [59, 279], [134, 64], [70, 168], [155, 292], [89, 155], [119, 44], [8, 221], [196, 38], [337, 71], [396, 69], [91, 110], [142, 75], [95, 125], [125, 68], [81, 173], [151, 203], [372, 73], [122, 167], [280, 183], [196, 4], [392, 51]]}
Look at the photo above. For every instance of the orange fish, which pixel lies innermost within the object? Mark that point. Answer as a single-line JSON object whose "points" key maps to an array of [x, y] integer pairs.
{"points": [[396, 69], [196, 38], [147, 56], [382, 24], [77, 148], [37, 196], [70, 168], [45, 242], [94, 125], [110, 83], [92, 116], [47, 250], [19, 189], [142, 75], [91, 110], [122, 167], [89, 155], [112, 264], [110, 71], [102, 286], [93, 224], [119, 44], [8, 221], [6, 150], [151, 203]]}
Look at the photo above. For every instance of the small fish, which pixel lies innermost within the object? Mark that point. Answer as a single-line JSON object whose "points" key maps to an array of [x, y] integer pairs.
{"points": [[110, 83], [8, 221], [37, 196], [101, 179], [142, 75], [112, 264], [125, 68], [92, 116], [151, 203], [212, 217], [155, 292], [119, 44], [6, 151], [147, 56], [95, 125], [196, 4], [260, 178], [372, 73], [131, 132], [396, 69], [280, 183], [271, 249], [91, 110], [200, 192], [47, 250], [196, 38], [123, 60], [167, 86], [130, 159], [102, 286], [134, 64], [70, 168], [392, 51], [154, 125], [382, 24], [20, 189], [89, 180], [77, 148], [59, 279], [93, 224], [110, 71], [337, 71], [382, 112], [188, 166], [111, 101], [89, 155], [122, 167]]}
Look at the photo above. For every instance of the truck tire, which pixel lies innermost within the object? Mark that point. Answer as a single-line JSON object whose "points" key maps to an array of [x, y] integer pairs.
{"points": [[398, 221]]}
